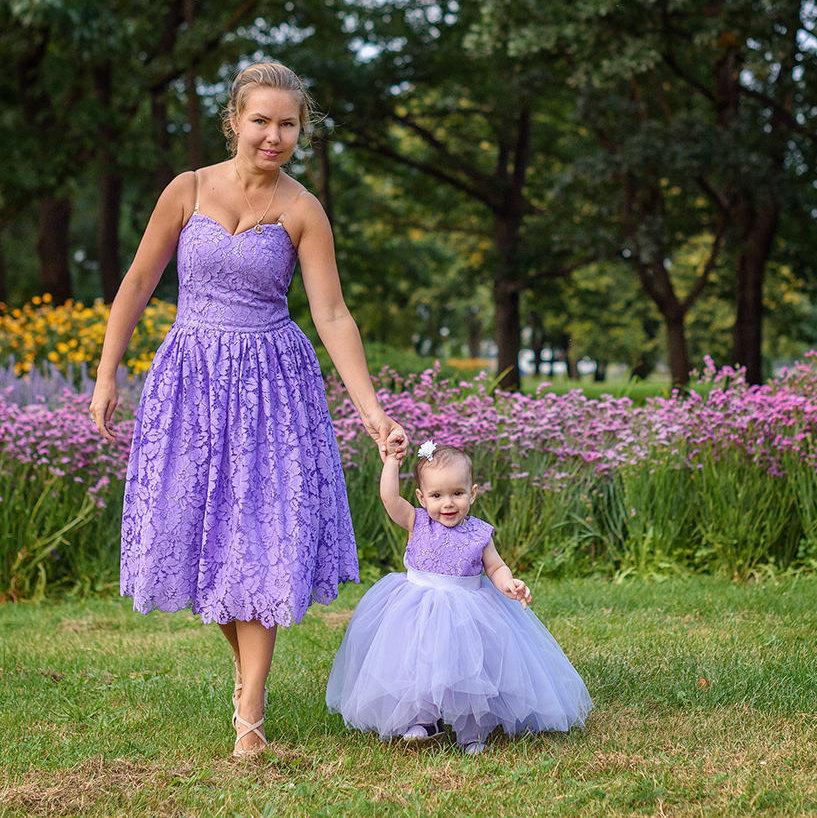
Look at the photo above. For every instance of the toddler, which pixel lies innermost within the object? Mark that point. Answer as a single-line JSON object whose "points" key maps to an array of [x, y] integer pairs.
{"points": [[451, 640]]}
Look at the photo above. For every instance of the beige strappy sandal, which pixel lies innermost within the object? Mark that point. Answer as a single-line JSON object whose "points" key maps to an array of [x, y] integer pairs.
{"points": [[249, 752]]}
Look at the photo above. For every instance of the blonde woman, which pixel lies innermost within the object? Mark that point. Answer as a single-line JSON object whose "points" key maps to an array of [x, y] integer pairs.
{"points": [[235, 502]]}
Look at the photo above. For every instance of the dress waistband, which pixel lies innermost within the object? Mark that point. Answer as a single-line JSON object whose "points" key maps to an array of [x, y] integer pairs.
{"points": [[195, 322], [443, 582]]}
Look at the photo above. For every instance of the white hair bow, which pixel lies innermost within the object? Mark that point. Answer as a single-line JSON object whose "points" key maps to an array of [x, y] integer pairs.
{"points": [[427, 450]]}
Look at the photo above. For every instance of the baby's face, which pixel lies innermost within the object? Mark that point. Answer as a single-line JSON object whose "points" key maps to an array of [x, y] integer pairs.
{"points": [[446, 493]]}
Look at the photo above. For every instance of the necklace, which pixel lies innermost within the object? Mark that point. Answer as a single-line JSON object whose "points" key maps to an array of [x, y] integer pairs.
{"points": [[257, 228]]}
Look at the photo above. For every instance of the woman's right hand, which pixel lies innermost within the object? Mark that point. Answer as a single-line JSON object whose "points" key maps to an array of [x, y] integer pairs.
{"points": [[103, 403]]}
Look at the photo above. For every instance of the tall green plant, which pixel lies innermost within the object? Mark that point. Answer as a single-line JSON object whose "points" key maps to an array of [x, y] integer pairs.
{"points": [[746, 516]]}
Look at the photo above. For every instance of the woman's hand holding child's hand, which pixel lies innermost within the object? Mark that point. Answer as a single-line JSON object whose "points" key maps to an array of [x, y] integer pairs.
{"points": [[395, 450]]}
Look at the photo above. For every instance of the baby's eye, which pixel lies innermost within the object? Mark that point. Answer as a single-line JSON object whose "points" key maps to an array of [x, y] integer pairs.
{"points": [[435, 496], [458, 492]]}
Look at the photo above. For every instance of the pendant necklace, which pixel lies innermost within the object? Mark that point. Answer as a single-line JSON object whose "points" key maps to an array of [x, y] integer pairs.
{"points": [[257, 228]]}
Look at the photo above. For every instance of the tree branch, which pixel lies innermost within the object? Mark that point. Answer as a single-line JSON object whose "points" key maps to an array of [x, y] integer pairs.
{"points": [[443, 149], [703, 278], [363, 142]]}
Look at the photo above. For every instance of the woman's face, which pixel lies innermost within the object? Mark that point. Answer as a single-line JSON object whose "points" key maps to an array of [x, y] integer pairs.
{"points": [[268, 127]]}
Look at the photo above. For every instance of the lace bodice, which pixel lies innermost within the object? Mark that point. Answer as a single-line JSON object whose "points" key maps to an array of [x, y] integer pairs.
{"points": [[456, 551], [233, 282]]}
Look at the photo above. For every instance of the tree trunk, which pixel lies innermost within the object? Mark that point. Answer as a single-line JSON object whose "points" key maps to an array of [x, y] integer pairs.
{"points": [[108, 236], [163, 171], [506, 311], [110, 182], [537, 340], [600, 375], [754, 254], [677, 347], [474, 323], [4, 286], [52, 247], [506, 292], [195, 150], [570, 361]]}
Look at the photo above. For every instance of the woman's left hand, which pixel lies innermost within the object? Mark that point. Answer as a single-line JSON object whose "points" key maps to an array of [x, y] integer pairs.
{"points": [[382, 429]]}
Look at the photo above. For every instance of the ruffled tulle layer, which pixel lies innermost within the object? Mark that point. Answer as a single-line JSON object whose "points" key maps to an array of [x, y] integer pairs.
{"points": [[478, 660], [235, 502]]}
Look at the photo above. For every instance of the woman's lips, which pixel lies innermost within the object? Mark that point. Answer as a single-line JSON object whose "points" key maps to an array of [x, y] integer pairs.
{"points": [[270, 154]]}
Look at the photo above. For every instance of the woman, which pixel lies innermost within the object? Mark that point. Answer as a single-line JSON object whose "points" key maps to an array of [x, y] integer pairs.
{"points": [[235, 501]]}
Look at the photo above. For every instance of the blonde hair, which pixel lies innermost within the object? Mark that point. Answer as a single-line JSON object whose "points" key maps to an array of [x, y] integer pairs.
{"points": [[443, 455], [266, 75]]}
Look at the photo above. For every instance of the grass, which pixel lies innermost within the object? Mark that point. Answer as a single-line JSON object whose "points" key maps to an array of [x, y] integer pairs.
{"points": [[704, 705], [637, 390]]}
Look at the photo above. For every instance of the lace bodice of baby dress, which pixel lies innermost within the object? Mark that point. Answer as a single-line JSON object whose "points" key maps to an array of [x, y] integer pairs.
{"points": [[455, 550]]}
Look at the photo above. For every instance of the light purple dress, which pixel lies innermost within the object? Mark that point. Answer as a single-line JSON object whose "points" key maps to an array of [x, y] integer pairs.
{"points": [[235, 502], [440, 642]]}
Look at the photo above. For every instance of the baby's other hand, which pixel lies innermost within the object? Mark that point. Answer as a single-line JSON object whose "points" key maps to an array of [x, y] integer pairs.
{"points": [[516, 589]]}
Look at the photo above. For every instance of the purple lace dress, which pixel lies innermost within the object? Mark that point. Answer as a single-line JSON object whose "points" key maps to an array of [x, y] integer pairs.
{"points": [[235, 502], [440, 642]]}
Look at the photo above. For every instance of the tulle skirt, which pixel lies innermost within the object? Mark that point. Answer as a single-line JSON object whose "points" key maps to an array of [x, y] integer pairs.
{"points": [[423, 646]]}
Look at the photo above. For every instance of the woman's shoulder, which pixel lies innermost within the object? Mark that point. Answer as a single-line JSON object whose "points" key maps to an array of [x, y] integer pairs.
{"points": [[180, 188]]}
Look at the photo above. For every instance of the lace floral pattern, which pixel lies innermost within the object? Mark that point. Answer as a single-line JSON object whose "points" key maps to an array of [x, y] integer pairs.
{"points": [[235, 501], [455, 551]]}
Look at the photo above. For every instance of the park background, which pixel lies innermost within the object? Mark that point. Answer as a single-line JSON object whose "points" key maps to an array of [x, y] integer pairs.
{"points": [[578, 240]]}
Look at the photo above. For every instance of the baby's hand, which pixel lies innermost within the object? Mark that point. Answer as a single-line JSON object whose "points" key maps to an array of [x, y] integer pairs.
{"points": [[394, 451], [516, 589]]}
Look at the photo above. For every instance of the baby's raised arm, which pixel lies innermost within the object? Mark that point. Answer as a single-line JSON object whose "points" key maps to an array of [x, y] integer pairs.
{"points": [[397, 507]]}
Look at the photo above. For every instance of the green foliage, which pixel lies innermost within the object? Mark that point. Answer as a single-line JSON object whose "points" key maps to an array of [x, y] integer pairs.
{"points": [[52, 536], [402, 361], [745, 516], [653, 520]]}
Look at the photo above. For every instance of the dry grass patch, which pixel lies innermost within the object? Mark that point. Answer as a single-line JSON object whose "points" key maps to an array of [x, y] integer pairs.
{"points": [[74, 790], [337, 619]]}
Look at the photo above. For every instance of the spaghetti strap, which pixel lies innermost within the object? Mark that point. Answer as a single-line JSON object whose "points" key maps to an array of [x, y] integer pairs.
{"points": [[196, 177]]}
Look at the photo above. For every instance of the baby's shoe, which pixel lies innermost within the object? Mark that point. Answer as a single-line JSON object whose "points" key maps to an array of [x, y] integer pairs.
{"points": [[418, 733], [473, 748]]}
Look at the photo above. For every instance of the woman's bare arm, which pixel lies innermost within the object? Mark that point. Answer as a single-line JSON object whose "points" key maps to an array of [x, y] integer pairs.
{"points": [[333, 321], [155, 251]]}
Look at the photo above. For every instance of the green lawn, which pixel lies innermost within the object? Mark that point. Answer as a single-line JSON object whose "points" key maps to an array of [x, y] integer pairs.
{"points": [[636, 390], [704, 691]]}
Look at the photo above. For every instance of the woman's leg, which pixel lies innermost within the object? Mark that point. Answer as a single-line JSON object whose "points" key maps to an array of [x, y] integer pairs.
{"points": [[255, 643], [232, 637]]}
